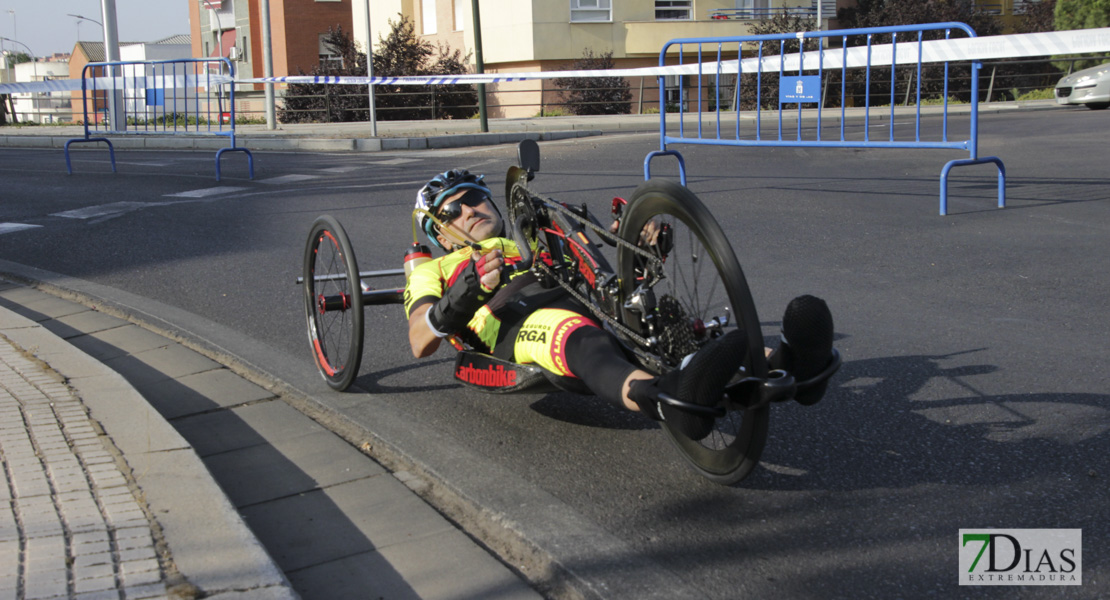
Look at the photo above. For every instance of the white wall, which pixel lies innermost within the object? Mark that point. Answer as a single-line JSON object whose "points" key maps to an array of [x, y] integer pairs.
{"points": [[42, 107]]}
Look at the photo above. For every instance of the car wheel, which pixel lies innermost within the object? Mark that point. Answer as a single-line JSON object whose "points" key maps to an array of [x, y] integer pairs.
{"points": [[1098, 105]]}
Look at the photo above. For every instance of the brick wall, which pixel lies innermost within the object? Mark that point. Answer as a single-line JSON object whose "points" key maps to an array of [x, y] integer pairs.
{"points": [[304, 21]]}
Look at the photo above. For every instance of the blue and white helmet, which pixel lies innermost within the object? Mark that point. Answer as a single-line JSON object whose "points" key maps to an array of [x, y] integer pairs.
{"points": [[443, 186]]}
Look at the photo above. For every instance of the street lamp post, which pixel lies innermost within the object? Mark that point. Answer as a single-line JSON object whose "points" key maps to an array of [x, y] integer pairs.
{"points": [[370, 72], [80, 18], [268, 66], [481, 68]]}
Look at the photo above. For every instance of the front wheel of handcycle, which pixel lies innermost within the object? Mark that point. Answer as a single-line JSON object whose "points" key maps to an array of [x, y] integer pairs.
{"points": [[700, 292], [333, 303]]}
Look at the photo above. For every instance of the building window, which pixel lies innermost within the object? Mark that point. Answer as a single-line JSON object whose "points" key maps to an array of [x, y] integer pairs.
{"points": [[460, 14], [328, 58], [674, 10], [754, 9], [582, 11], [428, 17]]}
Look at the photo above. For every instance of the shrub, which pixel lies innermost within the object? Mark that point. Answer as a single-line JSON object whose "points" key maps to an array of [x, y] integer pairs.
{"points": [[595, 95]]}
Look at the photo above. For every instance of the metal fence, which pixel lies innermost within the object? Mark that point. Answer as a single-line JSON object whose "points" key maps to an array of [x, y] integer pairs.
{"points": [[704, 119], [181, 97]]}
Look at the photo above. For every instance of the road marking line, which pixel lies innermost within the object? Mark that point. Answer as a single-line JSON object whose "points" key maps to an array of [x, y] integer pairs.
{"points": [[341, 169], [103, 210], [206, 192], [13, 227], [288, 179]]}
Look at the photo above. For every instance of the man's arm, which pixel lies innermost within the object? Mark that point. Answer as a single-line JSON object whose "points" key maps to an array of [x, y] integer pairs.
{"points": [[423, 342], [422, 339]]}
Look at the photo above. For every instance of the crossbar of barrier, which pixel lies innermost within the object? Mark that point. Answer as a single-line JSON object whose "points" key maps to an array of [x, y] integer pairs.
{"points": [[180, 97], [799, 88]]}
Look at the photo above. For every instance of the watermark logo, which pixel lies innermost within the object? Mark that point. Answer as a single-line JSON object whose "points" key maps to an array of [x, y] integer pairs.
{"points": [[1021, 557]]}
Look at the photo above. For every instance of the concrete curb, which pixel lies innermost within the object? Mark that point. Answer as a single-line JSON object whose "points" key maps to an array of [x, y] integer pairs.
{"points": [[210, 544], [293, 142]]}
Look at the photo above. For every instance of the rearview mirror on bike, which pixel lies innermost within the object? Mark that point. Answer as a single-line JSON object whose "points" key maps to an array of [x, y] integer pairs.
{"points": [[528, 155]]}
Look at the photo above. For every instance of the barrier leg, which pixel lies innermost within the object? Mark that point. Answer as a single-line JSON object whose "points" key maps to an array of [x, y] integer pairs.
{"points": [[111, 151], [674, 153], [250, 160], [972, 161]]}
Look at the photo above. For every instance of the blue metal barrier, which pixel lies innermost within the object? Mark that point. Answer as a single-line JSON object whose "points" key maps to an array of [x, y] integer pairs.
{"points": [[162, 97], [801, 88]]}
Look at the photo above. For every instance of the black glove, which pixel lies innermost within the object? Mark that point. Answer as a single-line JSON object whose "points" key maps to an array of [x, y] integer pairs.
{"points": [[458, 305]]}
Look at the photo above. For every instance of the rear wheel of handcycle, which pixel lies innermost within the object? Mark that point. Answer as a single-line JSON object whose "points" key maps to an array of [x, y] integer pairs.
{"points": [[701, 281], [333, 303]]}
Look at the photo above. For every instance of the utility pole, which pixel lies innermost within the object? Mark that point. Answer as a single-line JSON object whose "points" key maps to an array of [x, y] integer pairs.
{"points": [[111, 54], [268, 65], [481, 67], [370, 72]]}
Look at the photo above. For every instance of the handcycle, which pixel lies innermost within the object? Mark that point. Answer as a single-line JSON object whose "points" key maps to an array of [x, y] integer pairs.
{"points": [[677, 284]]}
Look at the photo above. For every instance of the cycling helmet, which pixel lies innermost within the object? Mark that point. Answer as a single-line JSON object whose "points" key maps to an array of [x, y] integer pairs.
{"points": [[443, 186]]}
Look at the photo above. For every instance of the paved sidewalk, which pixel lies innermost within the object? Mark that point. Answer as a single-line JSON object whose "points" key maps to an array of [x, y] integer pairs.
{"points": [[102, 498], [75, 527], [169, 476]]}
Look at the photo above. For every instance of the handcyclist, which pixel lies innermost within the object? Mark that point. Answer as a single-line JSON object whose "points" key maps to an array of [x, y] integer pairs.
{"points": [[468, 293]]}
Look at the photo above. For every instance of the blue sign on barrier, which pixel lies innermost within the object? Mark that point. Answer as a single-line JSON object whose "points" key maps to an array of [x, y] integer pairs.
{"points": [[800, 89], [155, 97]]}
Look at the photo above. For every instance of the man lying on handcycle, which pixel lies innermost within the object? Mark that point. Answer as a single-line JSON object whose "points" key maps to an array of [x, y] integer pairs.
{"points": [[469, 293]]}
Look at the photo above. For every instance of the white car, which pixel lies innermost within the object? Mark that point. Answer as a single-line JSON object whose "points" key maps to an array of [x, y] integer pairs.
{"points": [[1089, 86]]}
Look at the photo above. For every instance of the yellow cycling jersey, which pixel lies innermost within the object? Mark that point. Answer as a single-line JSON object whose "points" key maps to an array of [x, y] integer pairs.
{"points": [[429, 281]]}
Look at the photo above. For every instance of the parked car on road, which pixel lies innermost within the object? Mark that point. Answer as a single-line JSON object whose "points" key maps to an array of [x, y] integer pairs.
{"points": [[1089, 86]]}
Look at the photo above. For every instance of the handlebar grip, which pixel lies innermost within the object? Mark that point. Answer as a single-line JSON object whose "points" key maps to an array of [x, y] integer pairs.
{"points": [[522, 245]]}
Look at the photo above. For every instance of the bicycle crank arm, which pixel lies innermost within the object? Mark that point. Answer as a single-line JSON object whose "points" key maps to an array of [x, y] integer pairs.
{"points": [[779, 386], [705, 411]]}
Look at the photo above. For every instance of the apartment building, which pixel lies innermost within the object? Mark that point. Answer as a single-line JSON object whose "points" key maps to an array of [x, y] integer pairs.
{"points": [[233, 29]]}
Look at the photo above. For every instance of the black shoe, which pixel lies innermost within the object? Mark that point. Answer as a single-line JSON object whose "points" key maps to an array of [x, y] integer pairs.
{"points": [[806, 348], [700, 380]]}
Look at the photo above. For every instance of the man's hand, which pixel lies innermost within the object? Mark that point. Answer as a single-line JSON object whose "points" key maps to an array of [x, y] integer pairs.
{"points": [[472, 288], [489, 269]]}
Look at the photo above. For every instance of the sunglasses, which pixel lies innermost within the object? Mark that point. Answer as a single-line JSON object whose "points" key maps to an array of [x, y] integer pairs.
{"points": [[451, 211]]}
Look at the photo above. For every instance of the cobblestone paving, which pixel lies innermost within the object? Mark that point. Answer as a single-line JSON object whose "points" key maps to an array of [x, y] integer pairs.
{"points": [[70, 526]]}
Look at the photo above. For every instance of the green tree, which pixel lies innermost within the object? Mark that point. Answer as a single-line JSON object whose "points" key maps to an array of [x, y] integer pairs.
{"points": [[325, 103], [16, 58], [1039, 16], [888, 13], [1081, 14], [402, 54], [595, 95]]}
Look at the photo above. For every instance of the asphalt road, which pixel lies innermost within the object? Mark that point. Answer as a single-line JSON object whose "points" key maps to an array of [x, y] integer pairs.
{"points": [[973, 395]]}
